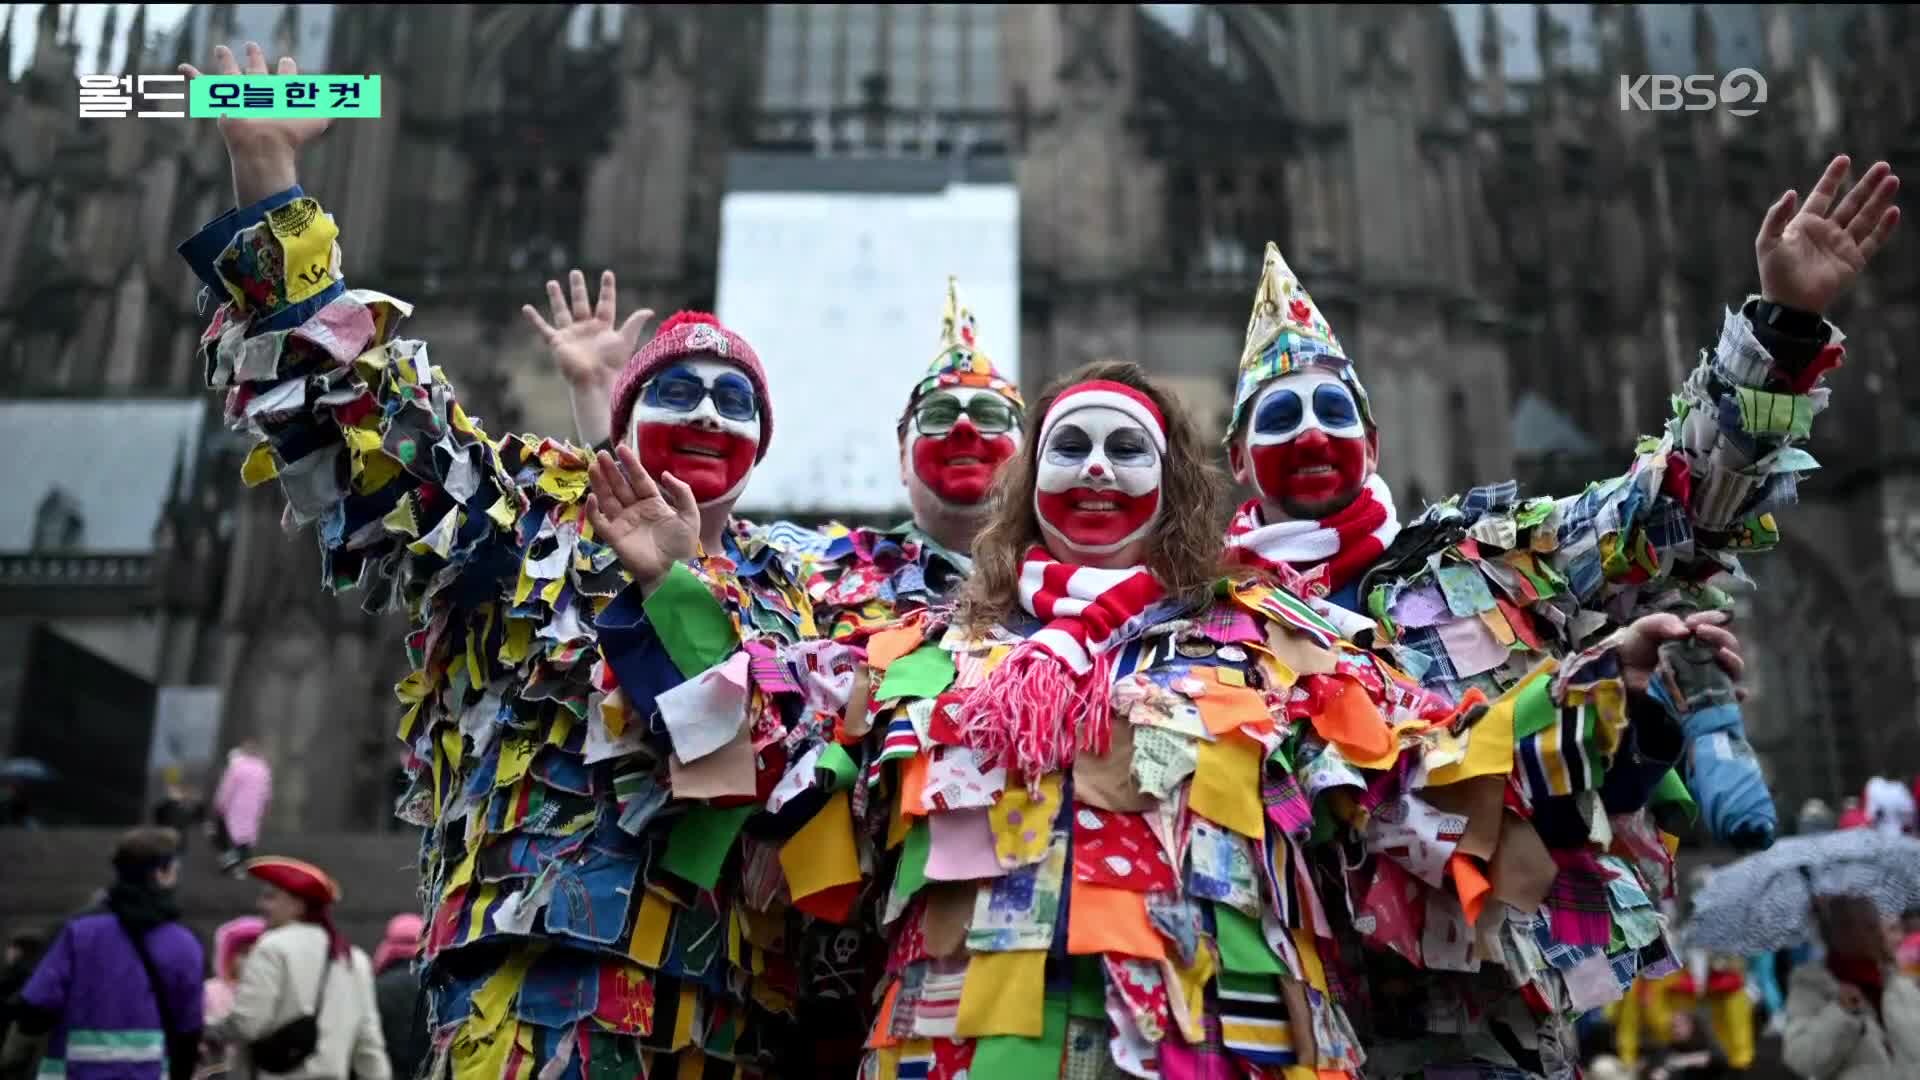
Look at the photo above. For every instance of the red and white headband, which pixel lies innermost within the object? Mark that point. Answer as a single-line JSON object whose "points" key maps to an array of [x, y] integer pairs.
{"points": [[1112, 395]]}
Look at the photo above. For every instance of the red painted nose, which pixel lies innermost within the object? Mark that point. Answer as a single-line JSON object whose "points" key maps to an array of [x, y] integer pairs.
{"points": [[1313, 438], [1096, 470]]}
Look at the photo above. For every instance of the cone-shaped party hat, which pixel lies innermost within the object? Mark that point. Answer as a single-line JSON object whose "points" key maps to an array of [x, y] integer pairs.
{"points": [[960, 361], [1285, 334]]}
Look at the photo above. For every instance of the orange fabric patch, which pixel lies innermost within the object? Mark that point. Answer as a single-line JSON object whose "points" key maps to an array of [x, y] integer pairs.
{"points": [[1103, 919]]}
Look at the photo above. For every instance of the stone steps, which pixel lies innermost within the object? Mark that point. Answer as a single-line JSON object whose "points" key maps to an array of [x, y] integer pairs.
{"points": [[51, 873]]}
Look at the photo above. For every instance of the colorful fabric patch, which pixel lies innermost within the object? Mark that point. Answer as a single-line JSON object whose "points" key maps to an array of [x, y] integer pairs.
{"points": [[1022, 909], [1023, 822], [1118, 850], [1220, 868]]}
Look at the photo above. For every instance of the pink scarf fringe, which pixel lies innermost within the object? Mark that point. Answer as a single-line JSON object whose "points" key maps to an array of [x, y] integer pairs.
{"points": [[1032, 714]]}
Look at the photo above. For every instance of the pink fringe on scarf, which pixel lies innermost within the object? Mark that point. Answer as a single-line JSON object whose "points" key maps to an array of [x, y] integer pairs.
{"points": [[1032, 714]]}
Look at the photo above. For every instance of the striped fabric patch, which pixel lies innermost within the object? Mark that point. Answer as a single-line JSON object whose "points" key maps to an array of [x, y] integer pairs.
{"points": [[1291, 610], [1563, 758], [901, 740], [916, 1060], [1283, 890], [1254, 1024]]}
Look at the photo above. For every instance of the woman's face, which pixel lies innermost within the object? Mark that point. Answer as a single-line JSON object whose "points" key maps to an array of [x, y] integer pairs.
{"points": [[280, 908], [1097, 487]]}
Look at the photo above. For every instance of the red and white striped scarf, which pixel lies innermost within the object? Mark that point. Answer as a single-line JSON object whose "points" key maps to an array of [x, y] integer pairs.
{"points": [[1318, 558], [1049, 698]]}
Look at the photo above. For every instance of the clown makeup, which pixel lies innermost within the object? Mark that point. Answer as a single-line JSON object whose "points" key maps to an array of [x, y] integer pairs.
{"points": [[957, 440], [1097, 488], [1307, 444], [699, 420]]}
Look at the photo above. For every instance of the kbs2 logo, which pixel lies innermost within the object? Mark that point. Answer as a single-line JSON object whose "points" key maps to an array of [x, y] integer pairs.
{"points": [[1739, 92]]}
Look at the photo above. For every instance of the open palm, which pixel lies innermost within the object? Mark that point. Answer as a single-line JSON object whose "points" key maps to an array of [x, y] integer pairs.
{"points": [[1807, 259], [255, 135], [586, 346], [648, 530]]}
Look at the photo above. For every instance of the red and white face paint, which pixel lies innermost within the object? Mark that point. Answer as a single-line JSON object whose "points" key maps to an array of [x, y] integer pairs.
{"points": [[1307, 444], [958, 466], [1097, 484], [710, 453]]}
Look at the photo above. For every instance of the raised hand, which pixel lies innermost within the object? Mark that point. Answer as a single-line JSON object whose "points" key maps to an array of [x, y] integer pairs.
{"points": [[1807, 259], [263, 152], [587, 349], [649, 531]]}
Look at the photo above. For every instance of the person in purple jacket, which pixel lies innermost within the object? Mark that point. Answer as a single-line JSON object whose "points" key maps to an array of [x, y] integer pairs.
{"points": [[106, 1008]]}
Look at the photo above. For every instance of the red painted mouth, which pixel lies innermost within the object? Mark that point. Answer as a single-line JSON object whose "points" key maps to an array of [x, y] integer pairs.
{"points": [[712, 463], [1323, 471], [960, 467], [1094, 518]]}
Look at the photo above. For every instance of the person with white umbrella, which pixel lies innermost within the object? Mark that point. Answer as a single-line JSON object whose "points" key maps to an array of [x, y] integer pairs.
{"points": [[1855, 1016]]}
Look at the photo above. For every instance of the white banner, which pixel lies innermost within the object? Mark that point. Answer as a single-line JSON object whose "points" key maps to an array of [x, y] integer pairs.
{"points": [[841, 294]]}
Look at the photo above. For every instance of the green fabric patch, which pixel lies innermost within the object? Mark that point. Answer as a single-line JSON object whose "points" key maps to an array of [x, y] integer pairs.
{"points": [[1533, 708], [698, 846], [1243, 947], [1017, 1055], [690, 623], [922, 673]]}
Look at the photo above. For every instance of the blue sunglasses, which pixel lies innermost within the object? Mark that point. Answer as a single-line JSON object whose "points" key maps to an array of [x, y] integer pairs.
{"points": [[682, 392]]}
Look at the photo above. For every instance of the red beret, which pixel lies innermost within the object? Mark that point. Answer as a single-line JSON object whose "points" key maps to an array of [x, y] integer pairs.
{"points": [[295, 876]]}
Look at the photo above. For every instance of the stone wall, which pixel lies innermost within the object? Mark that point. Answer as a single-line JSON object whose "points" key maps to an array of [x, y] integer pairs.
{"points": [[52, 873]]}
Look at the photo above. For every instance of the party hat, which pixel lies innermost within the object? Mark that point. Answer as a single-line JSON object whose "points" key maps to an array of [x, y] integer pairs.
{"points": [[1285, 334], [960, 362]]}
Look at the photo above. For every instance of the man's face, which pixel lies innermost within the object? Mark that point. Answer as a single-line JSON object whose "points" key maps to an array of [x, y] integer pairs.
{"points": [[698, 419], [956, 441], [1306, 449], [1097, 486]]}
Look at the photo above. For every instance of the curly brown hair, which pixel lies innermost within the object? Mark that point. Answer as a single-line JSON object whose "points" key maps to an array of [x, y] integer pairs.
{"points": [[1184, 551]]}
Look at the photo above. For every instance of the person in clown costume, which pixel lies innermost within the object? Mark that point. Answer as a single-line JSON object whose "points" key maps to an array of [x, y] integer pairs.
{"points": [[633, 805], [1117, 799], [1469, 596], [960, 425]]}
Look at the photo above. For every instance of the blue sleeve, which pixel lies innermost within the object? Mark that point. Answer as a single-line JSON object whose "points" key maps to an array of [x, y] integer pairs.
{"points": [[203, 249], [635, 652]]}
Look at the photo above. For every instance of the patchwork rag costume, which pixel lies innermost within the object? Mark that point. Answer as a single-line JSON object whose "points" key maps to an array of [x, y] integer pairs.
{"points": [[1176, 893], [628, 803], [871, 576], [1470, 596], [1126, 835]]}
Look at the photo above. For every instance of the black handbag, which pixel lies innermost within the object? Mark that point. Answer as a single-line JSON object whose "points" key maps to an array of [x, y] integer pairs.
{"points": [[287, 1047]]}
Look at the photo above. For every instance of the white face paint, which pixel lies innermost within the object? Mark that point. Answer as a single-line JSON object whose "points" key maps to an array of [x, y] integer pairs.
{"points": [[705, 414], [1097, 486], [711, 453], [1304, 401]]}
